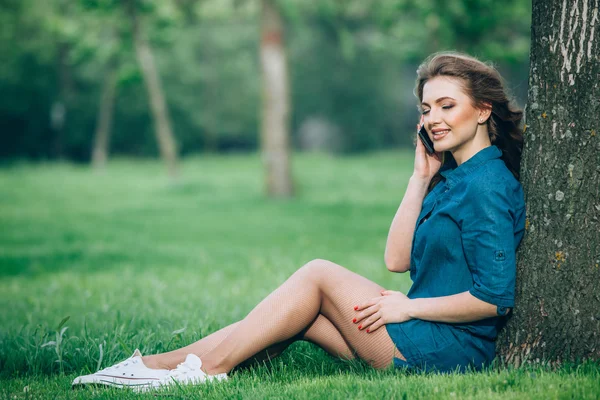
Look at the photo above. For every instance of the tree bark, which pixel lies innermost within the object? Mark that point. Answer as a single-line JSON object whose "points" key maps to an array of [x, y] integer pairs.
{"points": [[105, 117], [158, 105], [557, 313], [275, 141]]}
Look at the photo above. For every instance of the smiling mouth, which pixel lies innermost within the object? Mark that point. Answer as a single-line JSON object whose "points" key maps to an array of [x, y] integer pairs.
{"points": [[440, 134]]}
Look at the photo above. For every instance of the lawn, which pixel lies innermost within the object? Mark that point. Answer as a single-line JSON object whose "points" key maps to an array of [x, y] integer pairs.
{"points": [[134, 261]]}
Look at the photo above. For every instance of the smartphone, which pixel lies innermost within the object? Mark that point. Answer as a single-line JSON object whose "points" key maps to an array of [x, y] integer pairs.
{"points": [[425, 139]]}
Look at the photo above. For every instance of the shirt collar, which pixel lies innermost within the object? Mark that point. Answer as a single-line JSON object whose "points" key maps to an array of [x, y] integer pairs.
{"points": [[456, 174]]}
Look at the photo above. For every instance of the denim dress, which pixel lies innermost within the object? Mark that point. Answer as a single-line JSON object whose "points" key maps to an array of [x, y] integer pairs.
{"points": [[465, 239]]}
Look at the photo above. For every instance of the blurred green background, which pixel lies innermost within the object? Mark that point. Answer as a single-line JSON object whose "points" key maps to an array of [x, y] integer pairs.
{"points": [[352, 69]]}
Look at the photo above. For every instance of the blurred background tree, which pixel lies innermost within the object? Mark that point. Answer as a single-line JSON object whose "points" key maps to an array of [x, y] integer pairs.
{"points": [[275, 121], [67, 64]]}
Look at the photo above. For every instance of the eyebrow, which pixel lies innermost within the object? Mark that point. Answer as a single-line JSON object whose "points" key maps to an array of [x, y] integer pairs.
{"points": [[439, 100]]}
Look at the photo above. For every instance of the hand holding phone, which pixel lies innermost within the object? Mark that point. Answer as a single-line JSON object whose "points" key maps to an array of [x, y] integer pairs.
{"points": [[427, 142], [428, 162]]}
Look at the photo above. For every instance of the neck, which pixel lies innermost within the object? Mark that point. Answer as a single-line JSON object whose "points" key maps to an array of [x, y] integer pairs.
{"points": [[467, 150]]}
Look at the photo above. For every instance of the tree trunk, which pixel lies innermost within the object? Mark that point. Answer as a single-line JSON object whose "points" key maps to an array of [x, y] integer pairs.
{"points": [[275, 142], [62, 103], [557, 313], [160, 113], [105, 116]]}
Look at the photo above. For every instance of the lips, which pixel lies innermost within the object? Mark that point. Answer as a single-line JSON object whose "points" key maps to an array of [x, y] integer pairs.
{"points": [[439, 134]]}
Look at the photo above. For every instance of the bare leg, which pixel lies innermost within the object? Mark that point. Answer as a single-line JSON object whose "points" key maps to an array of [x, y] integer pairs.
{"points": [[170, 359], [320, 332], [324, 334], [319, 287]]}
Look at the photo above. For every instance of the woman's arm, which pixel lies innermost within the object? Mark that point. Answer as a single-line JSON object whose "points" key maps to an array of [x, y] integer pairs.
{"points": [[394, 307], [400, 236], [462, 307]]}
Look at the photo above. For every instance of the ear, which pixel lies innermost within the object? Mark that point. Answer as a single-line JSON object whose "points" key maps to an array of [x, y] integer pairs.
{"points": [[484, 113]]}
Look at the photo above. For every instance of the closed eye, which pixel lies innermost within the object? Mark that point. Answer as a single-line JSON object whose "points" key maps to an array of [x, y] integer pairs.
{"points": [[424, 112]]}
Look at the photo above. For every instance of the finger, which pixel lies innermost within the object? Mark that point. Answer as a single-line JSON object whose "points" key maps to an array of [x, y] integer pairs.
{"points": [[369, 303], [390, 292], [420, 147], [365, 325], [359, 318], [376, 325]]}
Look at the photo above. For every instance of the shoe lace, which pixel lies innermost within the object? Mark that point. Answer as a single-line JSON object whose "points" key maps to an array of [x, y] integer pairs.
{"points": [[182, 369], [121, 364]]}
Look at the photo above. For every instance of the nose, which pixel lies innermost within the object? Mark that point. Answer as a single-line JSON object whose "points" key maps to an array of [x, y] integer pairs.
{"points": [[434, 117]]}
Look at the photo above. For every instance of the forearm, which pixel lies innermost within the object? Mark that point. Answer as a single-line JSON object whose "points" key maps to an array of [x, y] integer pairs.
{"points": [[400, 236], [462, 307]]}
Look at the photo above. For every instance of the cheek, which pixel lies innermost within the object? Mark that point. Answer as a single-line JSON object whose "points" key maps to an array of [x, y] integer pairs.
{"points": [[461, 118]]}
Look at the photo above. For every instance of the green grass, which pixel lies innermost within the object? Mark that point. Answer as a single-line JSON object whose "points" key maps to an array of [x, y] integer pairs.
{"points": [[132, 260]]}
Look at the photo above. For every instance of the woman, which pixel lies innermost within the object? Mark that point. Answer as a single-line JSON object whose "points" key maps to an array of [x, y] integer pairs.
{"points": [[456, 230]]}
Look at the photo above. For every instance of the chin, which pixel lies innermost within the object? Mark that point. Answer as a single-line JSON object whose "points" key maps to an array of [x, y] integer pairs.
{"points": [[445, 146], [442, 147]]}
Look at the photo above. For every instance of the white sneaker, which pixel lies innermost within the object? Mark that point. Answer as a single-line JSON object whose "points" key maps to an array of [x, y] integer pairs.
{"points": [[189, 373], [131, 373]]}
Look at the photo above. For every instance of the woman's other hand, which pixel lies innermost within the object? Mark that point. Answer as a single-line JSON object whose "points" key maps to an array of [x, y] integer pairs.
{"points": [[426, 166], [391, 307]]}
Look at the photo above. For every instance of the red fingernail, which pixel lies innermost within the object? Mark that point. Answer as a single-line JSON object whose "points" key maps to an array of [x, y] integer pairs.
{"points": [[368, 331], [354, 320], [360, 327], [355, 307]]}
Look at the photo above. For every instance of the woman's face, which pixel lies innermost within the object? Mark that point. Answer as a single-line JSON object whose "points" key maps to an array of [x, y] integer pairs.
{"points": [[450, 118]]}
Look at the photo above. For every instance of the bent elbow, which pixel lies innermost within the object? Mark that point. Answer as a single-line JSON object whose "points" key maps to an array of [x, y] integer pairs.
{"points": [[396, 265]]}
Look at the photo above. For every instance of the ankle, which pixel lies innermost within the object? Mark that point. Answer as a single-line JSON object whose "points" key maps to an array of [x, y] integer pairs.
{"points": [[212, 367], [153, 362]]}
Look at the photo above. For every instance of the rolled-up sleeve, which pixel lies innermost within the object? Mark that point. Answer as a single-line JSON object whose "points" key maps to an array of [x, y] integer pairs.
{"points": [[490, 225]]}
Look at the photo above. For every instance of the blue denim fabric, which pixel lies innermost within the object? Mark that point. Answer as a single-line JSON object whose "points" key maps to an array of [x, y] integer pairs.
{"points": [[466, 237]]}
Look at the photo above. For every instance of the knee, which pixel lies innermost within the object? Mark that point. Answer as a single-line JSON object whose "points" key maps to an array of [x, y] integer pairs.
{"points": [[318, 268]]}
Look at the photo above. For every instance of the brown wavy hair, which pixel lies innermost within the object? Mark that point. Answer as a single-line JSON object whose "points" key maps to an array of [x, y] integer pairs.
{"points": [[482, 83]]}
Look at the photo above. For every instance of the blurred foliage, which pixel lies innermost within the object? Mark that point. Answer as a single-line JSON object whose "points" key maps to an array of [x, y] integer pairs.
{"points": [[352, 63]]}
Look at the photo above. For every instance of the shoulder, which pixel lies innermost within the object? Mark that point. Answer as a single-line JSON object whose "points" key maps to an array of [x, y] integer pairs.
{"points": [[494, 182], [493, 177]]}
